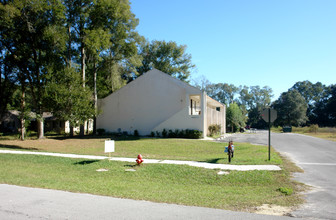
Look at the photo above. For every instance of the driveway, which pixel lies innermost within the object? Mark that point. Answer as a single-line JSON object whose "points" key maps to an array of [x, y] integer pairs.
{"points": [[317, 157]]}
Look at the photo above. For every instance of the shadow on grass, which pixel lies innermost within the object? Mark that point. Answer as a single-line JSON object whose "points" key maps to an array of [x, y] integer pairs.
{"points": [[129, 165], [17, 147], [214, 160], [88, 137], [86, 162]]}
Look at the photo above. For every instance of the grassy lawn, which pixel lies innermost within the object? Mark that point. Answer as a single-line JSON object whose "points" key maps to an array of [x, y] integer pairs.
{"points": [[327, 136], [176, 184], [242, 191], [327, 133], [151, 148]]}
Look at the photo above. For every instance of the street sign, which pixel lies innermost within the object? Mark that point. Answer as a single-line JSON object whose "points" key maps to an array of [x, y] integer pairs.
{"points": [[265, 115], [269, 115], [109, 146]]}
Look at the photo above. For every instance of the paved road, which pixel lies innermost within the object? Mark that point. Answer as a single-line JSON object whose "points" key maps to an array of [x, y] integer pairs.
{"points": [[317, 157], [29, 203]]}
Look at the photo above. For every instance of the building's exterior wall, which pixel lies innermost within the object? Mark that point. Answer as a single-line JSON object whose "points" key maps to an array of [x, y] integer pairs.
{"points": [[152, 102], [181, 120], [216, 117]]}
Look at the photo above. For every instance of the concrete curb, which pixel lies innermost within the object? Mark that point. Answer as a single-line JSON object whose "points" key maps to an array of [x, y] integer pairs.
{"points": [[149, 161]]}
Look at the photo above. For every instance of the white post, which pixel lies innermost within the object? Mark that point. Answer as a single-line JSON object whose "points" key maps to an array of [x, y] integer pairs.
{"points": [[224, 118], [204, 114]]}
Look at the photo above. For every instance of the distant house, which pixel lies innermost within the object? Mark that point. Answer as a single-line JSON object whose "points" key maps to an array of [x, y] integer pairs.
{"points": [[10, 122], [157, 101]]}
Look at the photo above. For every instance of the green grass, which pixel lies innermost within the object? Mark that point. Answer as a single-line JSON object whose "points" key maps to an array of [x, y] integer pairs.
{"points": [[327, 133], [152, 148], [176, 184]]}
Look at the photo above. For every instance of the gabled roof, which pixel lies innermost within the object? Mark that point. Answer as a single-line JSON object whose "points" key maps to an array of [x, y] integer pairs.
{"points": [[173, 78], [156, 71], [31, 115], [183, 84]]}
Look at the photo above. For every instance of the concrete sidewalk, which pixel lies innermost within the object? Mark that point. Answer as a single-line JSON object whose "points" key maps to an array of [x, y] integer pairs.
{"points": [[178, 162]]}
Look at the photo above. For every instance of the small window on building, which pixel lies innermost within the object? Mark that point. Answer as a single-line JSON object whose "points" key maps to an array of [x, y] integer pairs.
{"points": [[218, 109], [194, 105]]}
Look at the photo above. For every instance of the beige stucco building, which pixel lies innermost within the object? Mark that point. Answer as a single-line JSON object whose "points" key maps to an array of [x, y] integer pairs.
{"points": [[157, 101]]}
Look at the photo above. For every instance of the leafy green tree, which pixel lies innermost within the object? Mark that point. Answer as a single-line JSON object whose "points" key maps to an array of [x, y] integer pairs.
{"points": [[167, 57], [235, 117], [310, 92], [110, 37], [313, 94], [331, 106], [68, 99], [291, 108], [323, 112], [120, 61], [224, 92], [203, 84], [31, 34], [103, 33], [39, 38], [255, 99], [7, 81]]}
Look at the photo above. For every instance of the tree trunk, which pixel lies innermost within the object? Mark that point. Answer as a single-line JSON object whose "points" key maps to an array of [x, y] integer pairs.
{"points": [[87, 127], [83, 57], [22, 118], [94, 125], [110, 70], [81, 127], [69, 46], [40, 127], [71, 131], [95, 98]]}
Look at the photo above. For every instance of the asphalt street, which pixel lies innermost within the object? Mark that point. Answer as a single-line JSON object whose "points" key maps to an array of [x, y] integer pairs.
{"points": [[317, 157], [18, 202]]}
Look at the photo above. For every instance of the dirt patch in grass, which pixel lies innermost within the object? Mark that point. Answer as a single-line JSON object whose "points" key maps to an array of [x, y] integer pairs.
{"points": [[267, 209]]}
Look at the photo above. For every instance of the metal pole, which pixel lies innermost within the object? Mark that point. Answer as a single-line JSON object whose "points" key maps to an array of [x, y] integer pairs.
{"points": [[269, 134]]}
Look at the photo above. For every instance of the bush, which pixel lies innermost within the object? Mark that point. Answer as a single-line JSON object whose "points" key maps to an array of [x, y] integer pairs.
{"points": [[313, 128], [100, 131], [285, 190], [182, 134], [152, 134], [214, 129], [170, 134], [164, 133], [136, 133], [173, 134], [193, 134], [188, 133]]}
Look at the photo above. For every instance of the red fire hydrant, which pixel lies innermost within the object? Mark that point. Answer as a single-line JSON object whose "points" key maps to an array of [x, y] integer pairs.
{"points": [[139, 160]]}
